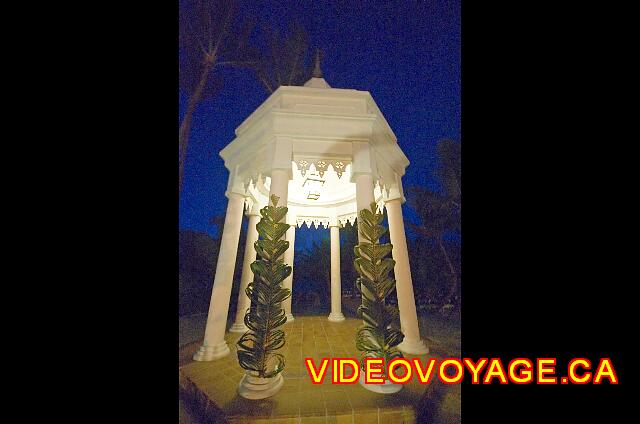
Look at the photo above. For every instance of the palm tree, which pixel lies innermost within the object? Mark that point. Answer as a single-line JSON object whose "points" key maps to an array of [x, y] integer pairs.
{"points": [[281, 59], [209, 37]]}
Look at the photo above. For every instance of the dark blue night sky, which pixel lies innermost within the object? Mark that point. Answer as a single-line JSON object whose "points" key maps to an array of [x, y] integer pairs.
{"points": [[405, 53]]}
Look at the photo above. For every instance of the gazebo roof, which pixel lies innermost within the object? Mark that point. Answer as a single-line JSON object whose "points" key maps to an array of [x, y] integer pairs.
{"points": [[315, 132]]}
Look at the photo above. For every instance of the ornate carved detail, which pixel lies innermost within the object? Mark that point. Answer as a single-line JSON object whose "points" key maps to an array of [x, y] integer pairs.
{"points": [[347, 218], [248, 203], [382, 186], [303, 166], [321, 166], [338, 166], [324, 221], [251, 181], [315, 221]]}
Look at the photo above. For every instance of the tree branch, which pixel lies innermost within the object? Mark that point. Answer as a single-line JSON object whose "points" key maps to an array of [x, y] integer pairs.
{"points": [[264, 82], [235, 63], [224, 29]]}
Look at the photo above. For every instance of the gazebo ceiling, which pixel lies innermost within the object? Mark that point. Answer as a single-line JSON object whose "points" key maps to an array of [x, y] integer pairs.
{"points": [[324, 188], [317, 195]]}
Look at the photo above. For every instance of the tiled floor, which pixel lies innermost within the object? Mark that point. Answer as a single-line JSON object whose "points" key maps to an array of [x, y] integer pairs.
{"points": [[214, 384]]}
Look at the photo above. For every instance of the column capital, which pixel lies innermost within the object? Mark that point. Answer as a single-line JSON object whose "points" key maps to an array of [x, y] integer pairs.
{"points": [[254, 210], [400, 199], [362, 160], [234, 194], [235, 184], [394, 191], [393, 194], [282, 156]]}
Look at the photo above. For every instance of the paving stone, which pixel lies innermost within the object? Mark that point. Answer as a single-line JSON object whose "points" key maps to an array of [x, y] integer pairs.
{"points": [[214, 384]]}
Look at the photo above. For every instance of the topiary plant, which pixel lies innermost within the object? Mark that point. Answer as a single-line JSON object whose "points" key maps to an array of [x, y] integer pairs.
{"points": [[380, 334], [256, 347]]}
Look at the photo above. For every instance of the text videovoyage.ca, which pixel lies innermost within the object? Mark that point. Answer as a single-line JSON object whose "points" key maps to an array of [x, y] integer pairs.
{"points": [[452, 371]]}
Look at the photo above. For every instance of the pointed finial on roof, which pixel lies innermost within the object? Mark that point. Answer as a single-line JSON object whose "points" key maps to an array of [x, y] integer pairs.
{"points": [[317, 71], [316, 80]]}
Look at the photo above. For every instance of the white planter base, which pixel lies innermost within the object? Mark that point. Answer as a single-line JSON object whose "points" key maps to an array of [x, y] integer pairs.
{"points": [[251, 387], [413, 347], [238, 328], [386, 388], [336, 317], [210, 353]]}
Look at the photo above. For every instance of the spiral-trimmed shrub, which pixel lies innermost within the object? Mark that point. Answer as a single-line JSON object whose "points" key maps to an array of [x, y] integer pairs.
{"points": [[257, 347], [380, 335]]}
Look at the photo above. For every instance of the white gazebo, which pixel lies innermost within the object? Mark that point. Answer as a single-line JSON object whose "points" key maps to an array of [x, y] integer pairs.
{"points": [[327, 153]]}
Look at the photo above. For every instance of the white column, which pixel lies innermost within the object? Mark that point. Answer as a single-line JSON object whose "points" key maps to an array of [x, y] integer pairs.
{"points": [[362, 174], [364, 195], [247, 275], [336, 289], [288, 259], [364, 198], [214, 345], [279, 186], [404, 286]]}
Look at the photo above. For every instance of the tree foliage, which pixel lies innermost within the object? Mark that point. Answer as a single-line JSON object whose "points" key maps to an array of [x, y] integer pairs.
{"points": [[380, 335], [197, 253], [212, 36], [450, 168], [256, 347], [282, 60], [198, 257], [349, 239], [209, 37], [440, 212]]}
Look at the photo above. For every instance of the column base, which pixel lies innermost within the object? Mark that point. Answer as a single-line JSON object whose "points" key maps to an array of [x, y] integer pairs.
{"points": [[251, 387], [336, 317], [413, 347], [290, 318], [210, 353], [386, 388], [238, 328]]}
